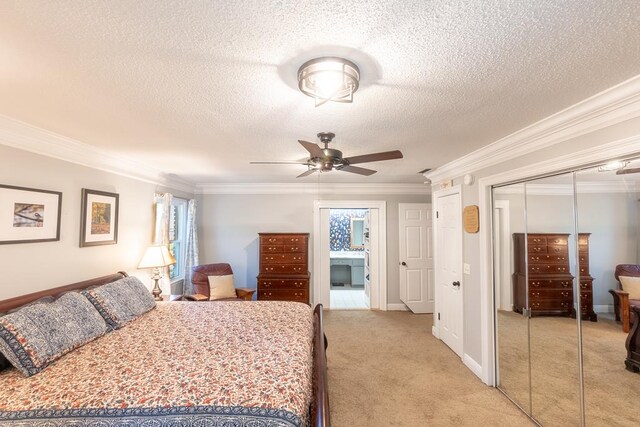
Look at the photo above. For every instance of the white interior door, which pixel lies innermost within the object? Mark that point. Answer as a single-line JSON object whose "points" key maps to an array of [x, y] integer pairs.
{"points": [[448, 266], [416, 259]]}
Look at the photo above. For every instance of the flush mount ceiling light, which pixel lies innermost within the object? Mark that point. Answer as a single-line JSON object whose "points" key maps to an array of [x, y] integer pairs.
{"points": [[613, 166], [329, 79]]}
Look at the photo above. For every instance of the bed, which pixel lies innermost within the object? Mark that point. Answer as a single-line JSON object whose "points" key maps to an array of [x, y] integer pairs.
{"points": [[259, 363]]}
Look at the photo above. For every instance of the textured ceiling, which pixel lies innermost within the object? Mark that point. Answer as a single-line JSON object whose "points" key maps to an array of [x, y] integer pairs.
{"points": [[200, 88]]}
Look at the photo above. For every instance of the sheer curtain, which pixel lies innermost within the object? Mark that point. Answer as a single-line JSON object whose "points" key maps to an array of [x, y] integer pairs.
{"points": [[163, 212], [191, 254], [161, 235]]}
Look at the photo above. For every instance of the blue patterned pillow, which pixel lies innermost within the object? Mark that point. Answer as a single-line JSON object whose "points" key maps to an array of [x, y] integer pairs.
{"points": [[121, 301], [36, 335]]}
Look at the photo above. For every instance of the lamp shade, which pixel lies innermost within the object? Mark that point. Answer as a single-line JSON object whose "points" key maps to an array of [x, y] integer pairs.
{"points": [[156, 256]]}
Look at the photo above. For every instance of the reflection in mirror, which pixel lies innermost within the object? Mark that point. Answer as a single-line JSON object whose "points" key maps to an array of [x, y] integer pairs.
{"points": [[512, 337], [550, 246], [607, 206], [357, 233]]}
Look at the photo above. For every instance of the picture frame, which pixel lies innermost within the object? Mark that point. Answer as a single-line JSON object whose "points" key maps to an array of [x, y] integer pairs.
{"points": [[98, 218], [29, 215]]}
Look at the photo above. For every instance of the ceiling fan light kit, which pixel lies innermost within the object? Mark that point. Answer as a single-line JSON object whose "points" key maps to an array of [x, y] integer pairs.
{"points": [[326, 159], [329, 79]]}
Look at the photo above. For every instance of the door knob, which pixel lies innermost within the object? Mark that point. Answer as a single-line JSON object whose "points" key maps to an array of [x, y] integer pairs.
{"points": [[404, 263], [456, 283]]}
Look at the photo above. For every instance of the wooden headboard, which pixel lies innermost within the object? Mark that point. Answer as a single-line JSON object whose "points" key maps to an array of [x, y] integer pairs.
{"points": [[15, 302]]}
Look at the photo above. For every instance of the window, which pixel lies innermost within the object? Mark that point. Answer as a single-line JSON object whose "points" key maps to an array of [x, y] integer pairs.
{"points": [[177, 238]]}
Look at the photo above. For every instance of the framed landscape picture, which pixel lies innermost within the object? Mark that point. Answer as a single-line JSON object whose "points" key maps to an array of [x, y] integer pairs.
{"points": [[29, 215], [99, 218]]}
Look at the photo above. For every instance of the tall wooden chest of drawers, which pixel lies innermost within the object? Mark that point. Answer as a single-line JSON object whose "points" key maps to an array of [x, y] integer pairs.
{"points": [[284, 267], [546, 258]]}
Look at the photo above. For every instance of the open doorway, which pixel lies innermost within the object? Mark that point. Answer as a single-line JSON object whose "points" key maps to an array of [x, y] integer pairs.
{"points": [[371, 260], [348, 247]]}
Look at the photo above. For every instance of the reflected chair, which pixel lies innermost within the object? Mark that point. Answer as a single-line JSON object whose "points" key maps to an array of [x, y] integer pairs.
{"points": [[621, 302], [200, 279]]}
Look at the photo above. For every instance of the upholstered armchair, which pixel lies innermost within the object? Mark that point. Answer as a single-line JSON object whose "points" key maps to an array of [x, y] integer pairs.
{"points": [[622, 302], [202, 283]]}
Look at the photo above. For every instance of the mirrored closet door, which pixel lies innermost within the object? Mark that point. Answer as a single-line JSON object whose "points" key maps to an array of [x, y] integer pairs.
{"points": [[557, 241]]}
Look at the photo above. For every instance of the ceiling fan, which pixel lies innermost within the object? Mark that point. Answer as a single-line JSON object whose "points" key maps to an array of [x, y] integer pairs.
{"points": [[326, 159]]}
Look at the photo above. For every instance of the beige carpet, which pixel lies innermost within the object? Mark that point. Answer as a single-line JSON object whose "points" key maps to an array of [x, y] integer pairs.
{"points": [[386, 369], [611, 392]]}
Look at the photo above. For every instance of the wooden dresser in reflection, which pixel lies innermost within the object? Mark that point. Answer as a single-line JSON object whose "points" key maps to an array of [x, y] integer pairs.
{"points": [[546, 256], [284, 267]]}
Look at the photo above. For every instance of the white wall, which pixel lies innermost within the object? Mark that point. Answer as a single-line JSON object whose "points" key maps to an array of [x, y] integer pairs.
{"points": [[30, 267], [229, 227]]}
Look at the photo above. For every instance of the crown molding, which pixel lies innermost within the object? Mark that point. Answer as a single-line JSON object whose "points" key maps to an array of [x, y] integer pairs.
{"points": [[23, 136], [614, 105], [620, 149], [591, 187], [317, 189]]}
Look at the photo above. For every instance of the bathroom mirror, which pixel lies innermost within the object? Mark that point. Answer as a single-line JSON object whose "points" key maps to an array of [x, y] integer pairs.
{"points": [[357, 233]]}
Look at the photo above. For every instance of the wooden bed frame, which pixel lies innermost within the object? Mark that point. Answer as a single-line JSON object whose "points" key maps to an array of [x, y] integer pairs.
{"points": [[320, 403], [633, 344]]}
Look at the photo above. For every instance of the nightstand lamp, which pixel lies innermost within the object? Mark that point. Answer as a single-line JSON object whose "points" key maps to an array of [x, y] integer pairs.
{"points": [[156, 257]]}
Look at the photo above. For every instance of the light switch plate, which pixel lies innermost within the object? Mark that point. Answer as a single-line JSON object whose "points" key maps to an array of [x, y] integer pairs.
{"points": [[466, 268]]}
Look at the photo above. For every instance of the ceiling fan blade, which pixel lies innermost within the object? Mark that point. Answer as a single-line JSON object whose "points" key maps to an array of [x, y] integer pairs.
{"points": [[356, 169], [278, 163], [626, 171], [309, 172], [374, 157], [312, 148]]}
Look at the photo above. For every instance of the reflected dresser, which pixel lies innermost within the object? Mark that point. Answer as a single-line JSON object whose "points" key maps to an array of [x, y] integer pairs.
{"points": [[545, 256], [284, 267]]}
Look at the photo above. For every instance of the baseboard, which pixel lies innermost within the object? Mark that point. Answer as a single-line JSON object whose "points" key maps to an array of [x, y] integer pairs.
{"points": [[472, 365], [603, 308], [435, 331], [397, 307]]}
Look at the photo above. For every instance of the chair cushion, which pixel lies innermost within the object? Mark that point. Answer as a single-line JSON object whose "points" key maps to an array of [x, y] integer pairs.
{"points": [[631, 285], [121, 301], [221, 287], [36, 335]]}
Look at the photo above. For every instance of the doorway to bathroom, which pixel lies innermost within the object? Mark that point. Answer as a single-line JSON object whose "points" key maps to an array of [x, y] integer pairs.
{"points": [[370, 260], [348, 256]]}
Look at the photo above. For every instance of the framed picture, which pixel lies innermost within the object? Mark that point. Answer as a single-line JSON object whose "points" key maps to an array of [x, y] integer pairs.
{"points": [[29, 215], [99, 218]]}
